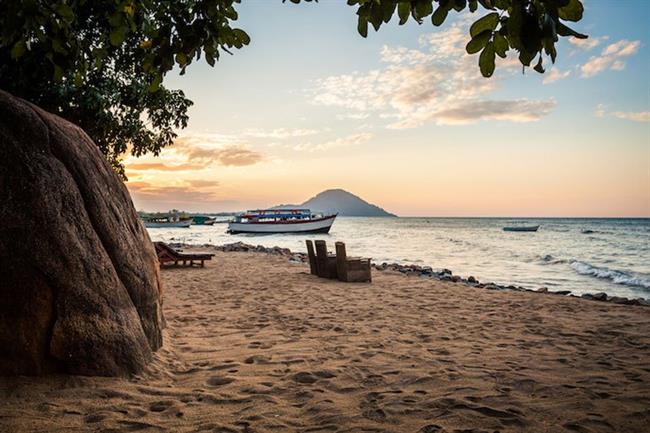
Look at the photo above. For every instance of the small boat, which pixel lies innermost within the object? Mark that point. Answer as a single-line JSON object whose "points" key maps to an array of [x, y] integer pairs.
{"points": [[281, 221], [521, 228], [167, 222], [203, 220]]}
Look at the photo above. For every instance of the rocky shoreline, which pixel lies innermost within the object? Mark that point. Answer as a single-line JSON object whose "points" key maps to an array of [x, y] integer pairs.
{"points": [[419, 271]]}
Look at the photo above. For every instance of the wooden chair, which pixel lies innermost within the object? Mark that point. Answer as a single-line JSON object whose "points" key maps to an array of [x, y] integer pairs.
{"points": [[313, 263], [325, 263], [351, 269], [167, 254]]}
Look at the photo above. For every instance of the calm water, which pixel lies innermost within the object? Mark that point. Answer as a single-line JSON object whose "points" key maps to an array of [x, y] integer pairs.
{"points": [[581, 255]]}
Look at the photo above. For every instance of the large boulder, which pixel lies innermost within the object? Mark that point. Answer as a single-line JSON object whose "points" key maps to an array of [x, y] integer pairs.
{"points": [[79, 285]]}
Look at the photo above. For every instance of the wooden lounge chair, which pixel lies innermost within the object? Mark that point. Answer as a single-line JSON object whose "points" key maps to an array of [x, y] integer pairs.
{"points": [[167, 254], [325, 263], [313, 263], [351, 269]]}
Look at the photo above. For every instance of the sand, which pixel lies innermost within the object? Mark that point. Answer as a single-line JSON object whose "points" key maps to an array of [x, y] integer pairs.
{"points": [[256, 344]]}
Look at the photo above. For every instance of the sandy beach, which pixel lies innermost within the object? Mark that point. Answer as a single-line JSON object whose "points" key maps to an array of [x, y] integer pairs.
{"points": [[255, 343]]}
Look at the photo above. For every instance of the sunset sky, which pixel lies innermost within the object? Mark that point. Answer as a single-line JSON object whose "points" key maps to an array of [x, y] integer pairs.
{"points": [[404, 120]]}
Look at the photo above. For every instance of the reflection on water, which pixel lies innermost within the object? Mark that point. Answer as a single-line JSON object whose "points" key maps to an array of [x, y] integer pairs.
{"points": [[581, 255]]}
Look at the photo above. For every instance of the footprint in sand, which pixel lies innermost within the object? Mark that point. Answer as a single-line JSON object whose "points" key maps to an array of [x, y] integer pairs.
{"points": [[219, 380], [160, 406]]}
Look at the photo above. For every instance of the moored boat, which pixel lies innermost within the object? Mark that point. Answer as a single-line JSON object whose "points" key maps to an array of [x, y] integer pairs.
{"points": [[521, 228], [203, 220], [281, 221], [167, 222]]}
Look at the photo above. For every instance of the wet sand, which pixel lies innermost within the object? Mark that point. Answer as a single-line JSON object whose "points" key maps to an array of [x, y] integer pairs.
{"points": [[256, 344]]}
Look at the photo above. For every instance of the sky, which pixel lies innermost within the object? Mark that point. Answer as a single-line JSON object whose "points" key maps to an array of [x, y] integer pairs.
{"points": [[404, 120]]}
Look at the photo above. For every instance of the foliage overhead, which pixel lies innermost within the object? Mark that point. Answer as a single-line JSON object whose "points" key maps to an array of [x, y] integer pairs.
{"points": [[101, 63], [530, 27]]}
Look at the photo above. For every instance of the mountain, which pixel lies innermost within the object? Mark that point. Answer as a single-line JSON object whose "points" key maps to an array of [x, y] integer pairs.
{"points": [[341, 202]]}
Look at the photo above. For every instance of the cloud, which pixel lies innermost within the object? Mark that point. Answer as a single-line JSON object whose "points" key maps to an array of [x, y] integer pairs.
{"points": [[159, 166], [184, 193], [350, 140], [638, 116], [555, 75], [436, 83], [206, 150], [589, 43], [610, 58], [280, 133]]}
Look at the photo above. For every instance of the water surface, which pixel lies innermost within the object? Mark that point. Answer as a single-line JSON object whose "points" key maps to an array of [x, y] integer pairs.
{"points": [[581, 255]]}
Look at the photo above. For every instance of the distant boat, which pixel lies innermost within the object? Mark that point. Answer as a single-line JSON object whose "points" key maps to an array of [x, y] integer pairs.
{"points": [[521, 228], [203, 220], [281, 221], [166, 222]]}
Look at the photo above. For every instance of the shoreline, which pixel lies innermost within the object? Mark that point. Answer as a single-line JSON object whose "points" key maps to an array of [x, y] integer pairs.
{"points": [[419, 271], [255, 343]]}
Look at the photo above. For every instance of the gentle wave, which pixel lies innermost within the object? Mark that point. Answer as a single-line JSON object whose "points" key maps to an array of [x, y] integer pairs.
{"points": [[618, 277]]}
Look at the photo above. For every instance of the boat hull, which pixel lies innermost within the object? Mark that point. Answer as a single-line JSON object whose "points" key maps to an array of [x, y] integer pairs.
{"points": [[521, 229], [321, 225], [176, 224]]}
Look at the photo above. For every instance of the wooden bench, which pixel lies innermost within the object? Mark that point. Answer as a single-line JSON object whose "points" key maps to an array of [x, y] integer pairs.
{"points": [[351, 269], [167, 254]]}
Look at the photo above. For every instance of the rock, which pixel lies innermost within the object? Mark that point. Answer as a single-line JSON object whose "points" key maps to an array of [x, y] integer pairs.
{"points": [[455, 278], [562, 292], [542, 290], [619, 300], [600, 296], [587, 296], [472, 280], [79, 284]]}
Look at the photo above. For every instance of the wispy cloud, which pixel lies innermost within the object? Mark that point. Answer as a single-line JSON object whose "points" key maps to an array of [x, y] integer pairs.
{"points": [[280, 133], [637, 116], [437, 83], [612, 58], [159, 166], [589, 43], [555, 75], [350, 140]]}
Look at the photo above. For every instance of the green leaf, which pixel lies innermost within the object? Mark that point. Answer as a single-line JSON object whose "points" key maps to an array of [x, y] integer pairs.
{"points": [[423, 9], [181, 59], [473, 5], [155, 83], [403, 10], [486, 60], [242, 36], [117, 36], [478, 42], [362, 26], [563, 30], [18, 49], [501, 46], [439, 16], [571, 12], [488, 22]]}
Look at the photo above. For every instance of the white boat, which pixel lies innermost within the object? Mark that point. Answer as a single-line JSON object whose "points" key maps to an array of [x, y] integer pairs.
{"points": [[281, 221], [166, 222]]}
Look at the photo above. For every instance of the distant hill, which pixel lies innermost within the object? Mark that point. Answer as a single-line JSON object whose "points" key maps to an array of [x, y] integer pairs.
{"points": [[341, 202]]}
